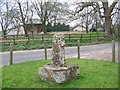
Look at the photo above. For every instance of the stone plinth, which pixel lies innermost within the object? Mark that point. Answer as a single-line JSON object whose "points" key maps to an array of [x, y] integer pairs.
{"points": [[51, 73]]}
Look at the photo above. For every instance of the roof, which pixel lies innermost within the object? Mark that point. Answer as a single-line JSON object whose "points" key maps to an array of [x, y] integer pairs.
{"points": [[75, 26]]}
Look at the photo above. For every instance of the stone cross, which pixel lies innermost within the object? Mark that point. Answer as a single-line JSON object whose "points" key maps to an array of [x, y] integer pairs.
{"points": [[58, 71], [58, 50]]}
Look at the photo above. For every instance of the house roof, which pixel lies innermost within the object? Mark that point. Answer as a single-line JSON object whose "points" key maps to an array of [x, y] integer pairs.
{"points": [[75, 26]]}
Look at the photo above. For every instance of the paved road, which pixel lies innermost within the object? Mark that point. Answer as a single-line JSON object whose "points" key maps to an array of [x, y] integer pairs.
{"points": [[99, 52]]}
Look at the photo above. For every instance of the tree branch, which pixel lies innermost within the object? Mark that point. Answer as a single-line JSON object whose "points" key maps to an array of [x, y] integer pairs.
{"points": [[113, 5]]}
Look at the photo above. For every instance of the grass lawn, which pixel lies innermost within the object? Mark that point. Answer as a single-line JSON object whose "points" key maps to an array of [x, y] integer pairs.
{"points": [[39, 44], [93, 74], [36, 43]]}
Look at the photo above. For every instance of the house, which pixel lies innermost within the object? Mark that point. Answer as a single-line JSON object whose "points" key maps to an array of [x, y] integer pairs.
{"points": [[34, 28], [31, 28], [15, 31], [78, 28]]}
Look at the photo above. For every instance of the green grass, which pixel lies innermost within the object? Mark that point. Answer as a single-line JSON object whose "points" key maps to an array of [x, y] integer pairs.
{"points": [[101, 34], [93, 74], [0, 78], [39, 44]]}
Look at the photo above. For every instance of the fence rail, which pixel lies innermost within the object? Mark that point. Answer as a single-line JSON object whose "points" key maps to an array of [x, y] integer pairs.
{"points": [[19, 38], [36, 41]]}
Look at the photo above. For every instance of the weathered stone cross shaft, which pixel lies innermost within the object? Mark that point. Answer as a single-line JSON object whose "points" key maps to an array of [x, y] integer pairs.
{"points": [[58, 50]]}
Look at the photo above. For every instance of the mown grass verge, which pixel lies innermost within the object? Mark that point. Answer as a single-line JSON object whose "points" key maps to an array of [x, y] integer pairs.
{"points": [[93, 74]]}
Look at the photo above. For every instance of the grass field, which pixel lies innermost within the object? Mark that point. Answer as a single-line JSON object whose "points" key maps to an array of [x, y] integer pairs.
{"points": [[93, 74], [37, 43]]}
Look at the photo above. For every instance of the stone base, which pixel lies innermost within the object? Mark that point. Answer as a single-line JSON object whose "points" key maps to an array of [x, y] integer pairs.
{"points": [[51, 73]]}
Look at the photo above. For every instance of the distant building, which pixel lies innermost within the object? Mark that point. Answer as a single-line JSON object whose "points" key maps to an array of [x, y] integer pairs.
{"points": [[78, 28], [31, 28], [34, 28], [19, 30]]}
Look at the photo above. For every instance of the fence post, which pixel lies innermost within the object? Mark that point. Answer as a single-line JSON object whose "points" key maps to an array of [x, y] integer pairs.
{"points": [[33, 35], [81, 38], [104, 35], [28, 39], [78, 47], [69, 36], [45, 49], [97, 36], [13, 39], [113, 51], [11, 53], [90, 38], [42, 37]]}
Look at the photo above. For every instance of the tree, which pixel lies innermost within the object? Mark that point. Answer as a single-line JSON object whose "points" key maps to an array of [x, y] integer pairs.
{"points": [[16, 14], [6, 17], [83, 17], [26, 14], [107, 12], [44, 10], [107, 15], [118, 21]]}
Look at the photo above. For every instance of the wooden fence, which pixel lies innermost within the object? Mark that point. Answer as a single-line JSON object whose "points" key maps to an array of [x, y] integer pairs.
{"points": [[43, 37]]}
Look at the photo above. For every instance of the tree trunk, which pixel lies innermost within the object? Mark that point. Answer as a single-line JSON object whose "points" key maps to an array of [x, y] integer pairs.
{"points": [[86, 28], [25, 30], [118, 29], [44, 29], [18, 32], [87, 21], [87, 24], [4, 34], [23, 19], [107, 12], [108, 27]]}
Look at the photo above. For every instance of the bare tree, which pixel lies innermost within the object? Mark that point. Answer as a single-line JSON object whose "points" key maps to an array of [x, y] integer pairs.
{"points": [[118, 21], [16, 13], [45, 10], [116, 17], [96, 7], [82, 14], [107, 15], [6, 17], [26, 14]]}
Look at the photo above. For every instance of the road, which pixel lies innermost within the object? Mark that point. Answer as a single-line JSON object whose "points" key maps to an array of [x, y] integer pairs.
{"points": [[98, 52]]}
